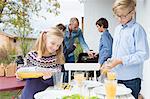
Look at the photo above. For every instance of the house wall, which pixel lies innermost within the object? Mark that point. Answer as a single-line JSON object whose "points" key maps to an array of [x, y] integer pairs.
{"points": [[4, 41], [143, 13], [93, 10], [11, 45]]}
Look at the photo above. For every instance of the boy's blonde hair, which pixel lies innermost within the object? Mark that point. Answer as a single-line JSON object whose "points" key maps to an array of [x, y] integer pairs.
{"points": [[40, 46], [124, 4]]}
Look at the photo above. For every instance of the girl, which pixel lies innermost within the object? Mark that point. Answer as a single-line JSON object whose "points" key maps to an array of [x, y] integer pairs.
{"points": [[48, 54]]}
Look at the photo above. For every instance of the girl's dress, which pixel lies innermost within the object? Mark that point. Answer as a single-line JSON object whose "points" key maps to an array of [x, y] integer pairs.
{"points": [[35, 85]]}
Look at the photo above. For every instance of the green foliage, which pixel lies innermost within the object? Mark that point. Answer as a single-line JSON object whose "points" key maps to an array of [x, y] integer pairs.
{"points": [[7, 55], [7, 94], [15, 15], [78, 50], [25, 46], [78, 96]]}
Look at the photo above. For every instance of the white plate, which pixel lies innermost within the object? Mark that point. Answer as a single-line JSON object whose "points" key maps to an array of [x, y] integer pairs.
{"points": [[92, 84], [121, 90], [51, 94]]}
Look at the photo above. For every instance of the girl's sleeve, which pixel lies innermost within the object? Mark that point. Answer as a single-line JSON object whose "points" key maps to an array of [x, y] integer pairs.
{"points": [[48, 81]]}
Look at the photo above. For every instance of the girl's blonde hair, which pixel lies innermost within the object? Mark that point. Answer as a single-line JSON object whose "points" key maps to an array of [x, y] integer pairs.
{"points": [[124, 4], [40, 46]]}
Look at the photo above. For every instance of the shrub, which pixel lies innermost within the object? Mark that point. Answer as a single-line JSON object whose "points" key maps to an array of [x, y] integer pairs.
{"points": [[7, 55], [78, 50]]}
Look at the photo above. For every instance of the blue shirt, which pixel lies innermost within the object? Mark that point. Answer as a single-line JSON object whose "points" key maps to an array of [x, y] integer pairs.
{"points": [[131, 46], [70, 39], [105, 47]]}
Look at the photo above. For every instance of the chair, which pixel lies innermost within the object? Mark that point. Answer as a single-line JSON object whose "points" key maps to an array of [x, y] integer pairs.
{"points": [[81, 67], [84, 58]]}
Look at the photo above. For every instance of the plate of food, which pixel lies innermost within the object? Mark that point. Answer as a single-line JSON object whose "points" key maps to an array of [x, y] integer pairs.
{"points": [[32, 72], [121, 90], [25, 75], [78, 96]]}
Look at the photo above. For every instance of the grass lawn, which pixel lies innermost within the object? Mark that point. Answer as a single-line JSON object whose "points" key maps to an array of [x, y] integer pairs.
{"points": [[8, 94]]}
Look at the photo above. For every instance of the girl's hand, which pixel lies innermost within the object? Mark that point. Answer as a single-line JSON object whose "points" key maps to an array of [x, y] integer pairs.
{"points": [[47, 75], [18, 77]]}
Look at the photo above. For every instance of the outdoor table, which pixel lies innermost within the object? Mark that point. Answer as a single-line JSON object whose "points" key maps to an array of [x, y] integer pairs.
{"points": [[50, 92], [11, 84]]}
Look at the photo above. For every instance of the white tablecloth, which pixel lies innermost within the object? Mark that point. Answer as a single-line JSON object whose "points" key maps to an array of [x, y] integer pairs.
{"points": [[51, 93], [129, 96]]}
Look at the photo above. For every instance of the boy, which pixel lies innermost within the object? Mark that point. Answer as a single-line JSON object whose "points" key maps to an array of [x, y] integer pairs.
{"points": [[130, 47], [106, 40]]}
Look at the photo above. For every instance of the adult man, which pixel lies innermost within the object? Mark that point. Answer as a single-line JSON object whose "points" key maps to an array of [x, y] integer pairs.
{"points": [[72, 32]]}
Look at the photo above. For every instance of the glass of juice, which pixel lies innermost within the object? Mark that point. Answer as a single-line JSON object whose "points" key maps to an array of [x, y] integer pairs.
{"points": [[110, 88], [79, 78]]}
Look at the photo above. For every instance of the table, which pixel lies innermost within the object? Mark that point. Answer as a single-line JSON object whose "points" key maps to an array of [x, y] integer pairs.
{"points": [[10, 84], [57, 94], [81, 67]]}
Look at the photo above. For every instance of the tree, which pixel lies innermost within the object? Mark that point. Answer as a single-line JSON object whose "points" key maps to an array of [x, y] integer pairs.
{"points": [[15, 15]]}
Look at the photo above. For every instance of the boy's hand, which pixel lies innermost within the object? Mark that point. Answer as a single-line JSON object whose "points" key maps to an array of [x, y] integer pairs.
{"points": [[105, 68]]}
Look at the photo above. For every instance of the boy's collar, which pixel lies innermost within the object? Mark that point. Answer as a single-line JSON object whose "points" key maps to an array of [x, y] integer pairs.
{"points": [[130, 23], [105, 30]]}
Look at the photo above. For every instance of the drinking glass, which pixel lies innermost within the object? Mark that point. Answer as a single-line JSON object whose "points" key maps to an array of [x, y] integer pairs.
{"points": [[57, 80], [79, 78], [110, 88]]}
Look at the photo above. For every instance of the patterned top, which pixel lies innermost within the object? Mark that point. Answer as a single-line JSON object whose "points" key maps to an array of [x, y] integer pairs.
{"points": [[45, 61]]}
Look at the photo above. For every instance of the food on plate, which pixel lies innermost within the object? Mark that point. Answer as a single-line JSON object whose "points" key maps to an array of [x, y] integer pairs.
{"points": [[66, 86], [33, 72], [24, 75], [77, 96]]}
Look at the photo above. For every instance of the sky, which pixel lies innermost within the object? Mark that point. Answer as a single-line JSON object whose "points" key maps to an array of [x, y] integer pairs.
{"points": [[68, 9]]}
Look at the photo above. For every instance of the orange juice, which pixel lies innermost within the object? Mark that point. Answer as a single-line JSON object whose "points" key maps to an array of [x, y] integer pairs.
{"points": [[104, 71], [79, 77], [110, 89], [111, 75]]}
